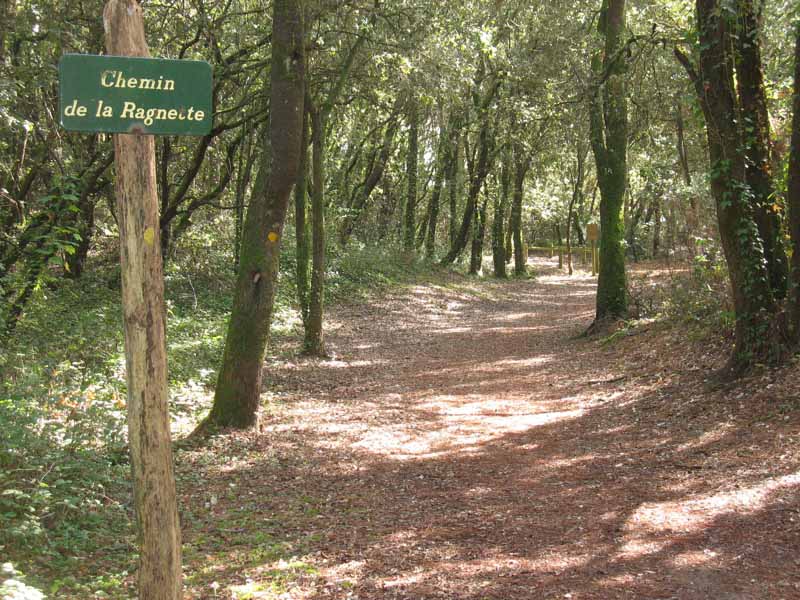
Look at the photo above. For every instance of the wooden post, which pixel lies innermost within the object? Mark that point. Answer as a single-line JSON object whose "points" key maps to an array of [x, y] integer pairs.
{"points": [[594, 258], [159, 575]]}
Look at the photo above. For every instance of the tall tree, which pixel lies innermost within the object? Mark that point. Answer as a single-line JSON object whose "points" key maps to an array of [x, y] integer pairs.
{"points": [[714, 83], [500, 205], [522, 163], [756, 134], [794, 194], [238, 389], [412, 162], [609, 136]]}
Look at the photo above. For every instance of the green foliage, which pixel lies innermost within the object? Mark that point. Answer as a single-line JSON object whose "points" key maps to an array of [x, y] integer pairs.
{"points": [[699, 296]]}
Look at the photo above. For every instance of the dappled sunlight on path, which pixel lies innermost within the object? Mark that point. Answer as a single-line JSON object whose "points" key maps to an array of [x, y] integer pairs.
{"points": [[464, 443]]}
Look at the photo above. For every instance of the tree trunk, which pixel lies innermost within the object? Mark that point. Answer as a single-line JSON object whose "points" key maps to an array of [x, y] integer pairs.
{"points": [[238, 390], [498, 229], [692, 214], [144, 317], [478, 236], [443, 168], [372, 179], [314, 343], [477, 177], [753, 300], [609, 137], [794, 196], [756, 133], [301, 230], [412, 162], [452, 189], [521, 166], [657, 214]]}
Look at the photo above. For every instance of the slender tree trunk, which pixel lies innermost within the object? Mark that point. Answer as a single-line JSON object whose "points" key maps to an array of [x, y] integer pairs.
{"points": [[577, 198], [657, 214], [794, 196], [478, 236], [443, 168], [371, 181], [521, 166], [314, 343], [756, 133], [159, 576], [247, 157], [753, 300], [452, 189], [609, 137], [412, 162], [498, 229], [301, 230], [692, 214], [238, 390], [477, 177]]}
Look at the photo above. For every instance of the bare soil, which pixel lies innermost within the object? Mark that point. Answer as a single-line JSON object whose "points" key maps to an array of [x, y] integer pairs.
{"points": [[463, 442]]}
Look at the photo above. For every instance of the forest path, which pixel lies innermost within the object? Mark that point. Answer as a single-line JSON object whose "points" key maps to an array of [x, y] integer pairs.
{"points": [[462, 443]]}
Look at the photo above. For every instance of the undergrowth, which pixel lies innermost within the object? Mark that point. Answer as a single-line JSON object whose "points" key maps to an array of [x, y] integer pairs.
{"points": [[698, 296], [65, 498]]}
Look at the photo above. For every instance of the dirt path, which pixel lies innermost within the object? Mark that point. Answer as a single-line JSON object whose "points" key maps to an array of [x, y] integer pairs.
{"points": [[462, 444]]}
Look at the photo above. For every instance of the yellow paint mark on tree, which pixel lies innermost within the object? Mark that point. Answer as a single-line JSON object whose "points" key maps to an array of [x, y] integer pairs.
{"points": [[273, 237], [149, 236]]}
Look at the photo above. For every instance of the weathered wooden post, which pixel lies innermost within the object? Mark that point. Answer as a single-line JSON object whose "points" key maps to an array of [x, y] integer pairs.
{"points": [[135, 97], [145, 343]]}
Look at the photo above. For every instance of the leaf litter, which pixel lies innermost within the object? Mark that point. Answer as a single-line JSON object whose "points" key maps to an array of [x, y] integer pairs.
{"points": [[463, 442]]}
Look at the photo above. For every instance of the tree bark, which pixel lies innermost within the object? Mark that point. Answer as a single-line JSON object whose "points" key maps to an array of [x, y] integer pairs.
{"points": [[452, 187], [144, 317], [692, 215], [609, 137], [521, 166], [314, 343], [756, 133], [412, 162], [301, 230], [498, 229], [478, 236], [794, 196], [238, 390], [753, 300]]}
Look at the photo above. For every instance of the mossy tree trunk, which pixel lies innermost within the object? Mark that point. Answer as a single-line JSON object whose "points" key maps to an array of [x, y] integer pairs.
{"points": [[756, 338], [609, 138], [238, 391], [794, 196], [756, 133]]}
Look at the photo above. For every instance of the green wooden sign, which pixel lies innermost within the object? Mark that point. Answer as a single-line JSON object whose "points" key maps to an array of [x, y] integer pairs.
{"points": [[115, 94]]}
